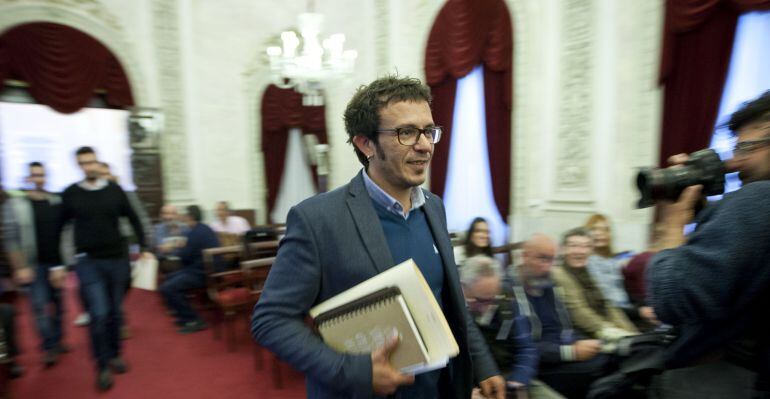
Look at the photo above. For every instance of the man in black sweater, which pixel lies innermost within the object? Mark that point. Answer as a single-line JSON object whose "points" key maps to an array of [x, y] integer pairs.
{"points": [[96, 205], [32, 243]]}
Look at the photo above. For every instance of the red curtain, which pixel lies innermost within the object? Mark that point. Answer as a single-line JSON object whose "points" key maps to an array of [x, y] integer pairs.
{"points": [[63, 66], [697, 43], [467, 33], [282, 110]]}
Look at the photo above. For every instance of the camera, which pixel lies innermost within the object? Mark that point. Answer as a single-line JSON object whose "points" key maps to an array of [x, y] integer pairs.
{"points": [[704, 167]]}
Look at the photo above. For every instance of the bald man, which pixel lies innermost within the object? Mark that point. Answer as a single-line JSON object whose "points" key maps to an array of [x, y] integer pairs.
{"points": [[169, 228], [568, 363]]}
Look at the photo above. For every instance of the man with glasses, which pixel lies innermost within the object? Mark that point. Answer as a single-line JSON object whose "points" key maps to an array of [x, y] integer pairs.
{"points": [[714, 285], [569, 362], [338, 239]]}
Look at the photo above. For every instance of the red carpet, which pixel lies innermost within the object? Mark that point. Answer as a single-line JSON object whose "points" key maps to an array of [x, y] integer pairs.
{"points": [[164, 364]]}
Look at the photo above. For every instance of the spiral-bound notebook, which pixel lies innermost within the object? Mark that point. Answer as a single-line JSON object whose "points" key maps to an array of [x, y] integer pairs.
{"points": [[417, 301], [364, 325]]}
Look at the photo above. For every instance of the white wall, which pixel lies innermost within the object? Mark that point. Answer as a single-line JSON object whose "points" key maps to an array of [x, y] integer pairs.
{"points": [[586, 107], [586, 113]]}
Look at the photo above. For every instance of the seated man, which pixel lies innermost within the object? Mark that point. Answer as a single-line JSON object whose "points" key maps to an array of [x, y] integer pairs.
{"points": [[170, 227], [568, 362], [226, 222], [593, 315], [169, 230], [192, 274], [499, 322]]}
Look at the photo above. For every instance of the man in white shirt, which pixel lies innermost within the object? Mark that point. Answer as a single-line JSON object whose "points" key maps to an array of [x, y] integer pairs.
{"points": [[228, 223]]}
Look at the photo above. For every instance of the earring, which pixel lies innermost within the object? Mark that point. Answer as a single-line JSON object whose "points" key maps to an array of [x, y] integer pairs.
{"points": [[368, 157]]}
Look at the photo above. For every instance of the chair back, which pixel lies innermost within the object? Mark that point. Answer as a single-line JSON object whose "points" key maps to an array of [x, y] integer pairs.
{"points": [[262, 249], [256, 272], [211, 256]]}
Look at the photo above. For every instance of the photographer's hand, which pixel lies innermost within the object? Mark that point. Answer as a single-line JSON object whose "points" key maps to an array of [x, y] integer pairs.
{"points": [[677, 215]]}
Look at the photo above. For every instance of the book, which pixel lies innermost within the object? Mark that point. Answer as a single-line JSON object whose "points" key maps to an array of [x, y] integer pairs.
{"points": [[429, 320], [363, 325], [145, 274]]}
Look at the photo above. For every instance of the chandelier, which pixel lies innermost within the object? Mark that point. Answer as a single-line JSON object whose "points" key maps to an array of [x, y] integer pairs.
{"points": [[304, 62]]}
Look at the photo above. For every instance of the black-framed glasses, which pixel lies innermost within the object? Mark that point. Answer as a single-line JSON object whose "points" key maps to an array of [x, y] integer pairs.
{"points": [[410, 135], [749, 146]]}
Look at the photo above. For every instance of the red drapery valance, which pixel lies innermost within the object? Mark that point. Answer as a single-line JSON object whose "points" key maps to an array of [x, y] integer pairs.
{"points": [[63, 66], [282, 110], [697, 43], [467, 33]]}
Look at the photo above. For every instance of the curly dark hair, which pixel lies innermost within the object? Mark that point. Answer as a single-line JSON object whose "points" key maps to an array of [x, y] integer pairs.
{"points": [[362, 115], [757, 110]]}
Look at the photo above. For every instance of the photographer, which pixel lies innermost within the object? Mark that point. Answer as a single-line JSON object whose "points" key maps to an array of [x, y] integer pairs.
{"points": [[714, 285]]}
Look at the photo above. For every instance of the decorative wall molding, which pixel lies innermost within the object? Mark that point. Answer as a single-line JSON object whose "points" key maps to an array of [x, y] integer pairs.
{"points": [[167, 45], [382, 36], [256, 78], [524, 18], [93, 8], [639, 97], [89, 16], [573, 177]]}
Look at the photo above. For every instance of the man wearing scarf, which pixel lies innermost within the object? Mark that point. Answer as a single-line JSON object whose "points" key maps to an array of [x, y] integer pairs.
{"points": [[569, 362]]}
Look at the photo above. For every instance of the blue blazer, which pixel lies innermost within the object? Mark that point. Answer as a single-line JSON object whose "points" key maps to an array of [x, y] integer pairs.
{"points": [[333, 242]]}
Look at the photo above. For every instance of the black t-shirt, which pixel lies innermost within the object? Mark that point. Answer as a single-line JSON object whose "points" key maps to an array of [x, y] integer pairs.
{"points": [[47, 221]]}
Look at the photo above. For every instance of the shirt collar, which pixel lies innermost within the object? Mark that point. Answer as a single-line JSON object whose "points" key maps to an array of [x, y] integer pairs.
{"points": [[98, 184], [379, 196]]}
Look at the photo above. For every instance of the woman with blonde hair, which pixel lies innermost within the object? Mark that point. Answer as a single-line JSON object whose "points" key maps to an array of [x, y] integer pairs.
{"points": [[599, 226], [607, 269]]}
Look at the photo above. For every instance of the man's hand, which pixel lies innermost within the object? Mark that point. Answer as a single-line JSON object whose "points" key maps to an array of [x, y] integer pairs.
{"points": [[678, 159], [57, 276], [677, 215], [386, 379], [586, 349], [24, 275], [493, 387], [648, 313]]}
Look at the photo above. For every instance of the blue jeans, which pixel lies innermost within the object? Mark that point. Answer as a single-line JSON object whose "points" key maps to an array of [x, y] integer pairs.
{"points": [[104, 282], [47, 306], [173, 290]]}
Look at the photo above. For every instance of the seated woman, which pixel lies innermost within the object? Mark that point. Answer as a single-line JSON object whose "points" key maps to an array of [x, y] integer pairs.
{"points": [[476, 242], [593, 315], [606, 268]]}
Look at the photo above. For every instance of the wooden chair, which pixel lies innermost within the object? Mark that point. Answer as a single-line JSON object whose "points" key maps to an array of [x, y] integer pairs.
{"points": [[211, 258], [507, 251], [258, 270], [507, 248], [237, 291], [263, 249]]}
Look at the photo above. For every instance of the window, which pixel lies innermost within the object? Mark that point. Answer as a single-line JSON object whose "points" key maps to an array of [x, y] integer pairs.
{"points": [[34, 132], [468, 190], [747, 78]]}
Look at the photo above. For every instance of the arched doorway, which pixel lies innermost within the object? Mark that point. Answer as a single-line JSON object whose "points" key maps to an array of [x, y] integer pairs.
{"points": [[72, 72]]}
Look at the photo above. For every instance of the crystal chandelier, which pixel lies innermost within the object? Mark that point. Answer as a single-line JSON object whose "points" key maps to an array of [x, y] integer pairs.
{"points": [[304, 61]]}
